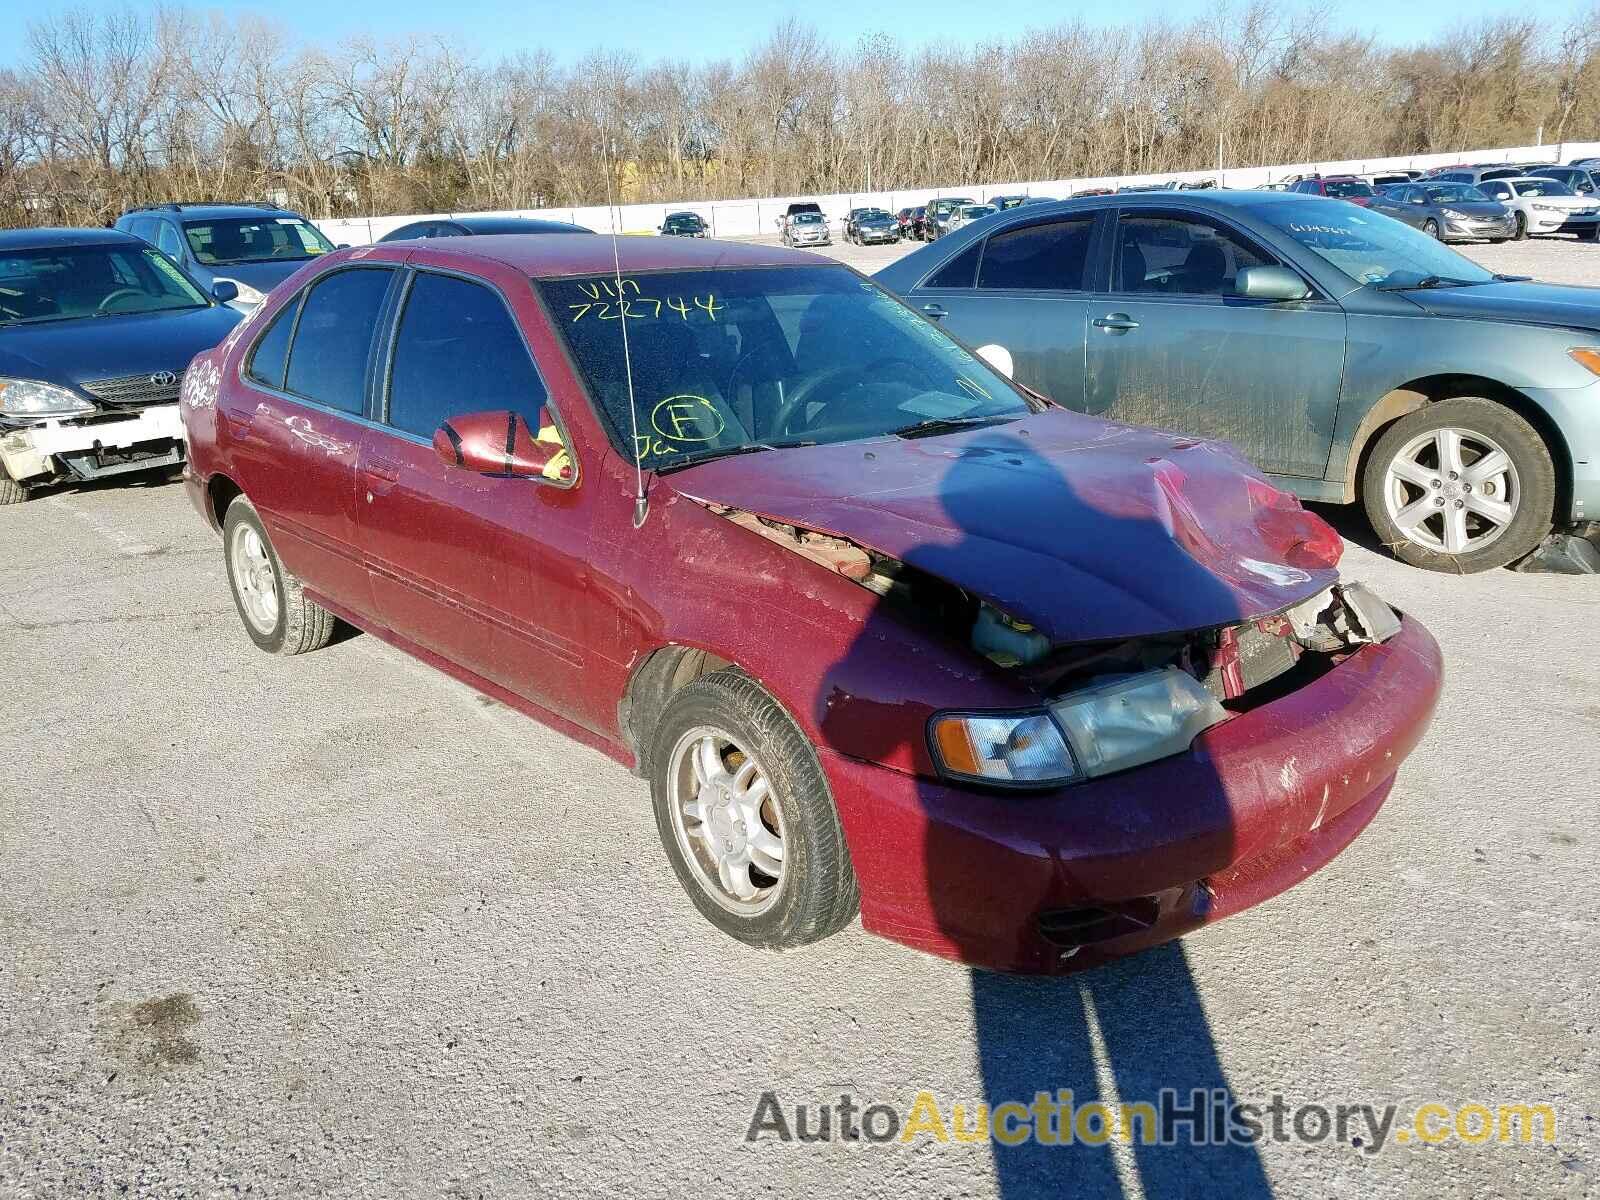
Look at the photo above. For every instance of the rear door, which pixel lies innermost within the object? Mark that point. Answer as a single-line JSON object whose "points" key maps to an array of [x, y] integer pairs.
{"points": [[1172, 344], [1023, 288], [485, 570], [308, 376]]}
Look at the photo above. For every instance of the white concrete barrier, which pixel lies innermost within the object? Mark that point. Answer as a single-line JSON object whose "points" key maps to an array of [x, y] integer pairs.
{"points": [[750, 218]]}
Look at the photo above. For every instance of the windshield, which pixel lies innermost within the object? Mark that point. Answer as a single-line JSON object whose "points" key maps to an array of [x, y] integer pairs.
{"points": [[254, 239], [1369, 247], [808, 218], [64, 282], [973, 212], [732, 359], [1347, 187], [1454, 193], [1542, 187], [874, 214]]}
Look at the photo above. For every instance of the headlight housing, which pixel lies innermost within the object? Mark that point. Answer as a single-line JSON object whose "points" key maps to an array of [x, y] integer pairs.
{"points": [[1118, 723], [247, 294], [1546, 207], [31, 398], [1454, 215]]}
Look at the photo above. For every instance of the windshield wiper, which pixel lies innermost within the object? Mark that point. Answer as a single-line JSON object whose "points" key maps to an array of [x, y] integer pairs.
{"points": [[1427, 282], [1512, 278], [690, 460], [935, 425]]}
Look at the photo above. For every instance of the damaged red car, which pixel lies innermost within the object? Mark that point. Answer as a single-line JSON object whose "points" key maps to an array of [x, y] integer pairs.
{"points": [[884, 632]]}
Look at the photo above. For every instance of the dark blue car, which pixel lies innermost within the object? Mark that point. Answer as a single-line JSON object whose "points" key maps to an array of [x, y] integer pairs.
{"points": [[96, 331], [255, 247]]}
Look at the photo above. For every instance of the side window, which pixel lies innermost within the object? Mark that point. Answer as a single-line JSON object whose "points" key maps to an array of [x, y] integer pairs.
{"points": [[960, 271], [458, 351], [142, 227], [1495, 190], [338, 318], [1052, 255], [1181, 256], [167, 240], [271, 353]]}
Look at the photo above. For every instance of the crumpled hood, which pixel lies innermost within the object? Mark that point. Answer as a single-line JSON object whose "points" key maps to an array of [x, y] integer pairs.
{"points": [[88, 348], [1085, 529], [1528, 303]]}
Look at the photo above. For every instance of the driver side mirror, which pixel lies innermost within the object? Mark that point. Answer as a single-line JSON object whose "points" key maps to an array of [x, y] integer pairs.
{"points": [[1270, 283], [225, 291], [501, 443]]}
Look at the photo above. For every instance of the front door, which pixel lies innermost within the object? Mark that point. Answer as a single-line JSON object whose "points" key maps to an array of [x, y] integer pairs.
{"points": [[1172, 344], [484, 570]]}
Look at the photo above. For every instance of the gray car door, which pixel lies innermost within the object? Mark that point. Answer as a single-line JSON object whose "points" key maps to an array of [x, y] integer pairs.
{"points": [[1172, 344], [1022, 288]]}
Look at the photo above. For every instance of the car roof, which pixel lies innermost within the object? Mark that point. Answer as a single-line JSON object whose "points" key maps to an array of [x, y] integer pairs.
{"points": [[41, 239], [214, 210], [553, 255], [491, 225]]}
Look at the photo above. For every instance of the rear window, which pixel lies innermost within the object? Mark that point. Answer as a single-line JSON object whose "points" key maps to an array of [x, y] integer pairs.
{"points": [[1051, 256], [328, 360], [254, 239]]}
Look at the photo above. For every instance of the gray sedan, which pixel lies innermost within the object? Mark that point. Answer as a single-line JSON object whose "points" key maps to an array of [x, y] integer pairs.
{"points": [[1451, 212], [1349, 355]]}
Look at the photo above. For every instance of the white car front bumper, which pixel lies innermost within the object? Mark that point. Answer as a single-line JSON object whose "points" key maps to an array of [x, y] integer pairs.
{"points": [[28, 452]]}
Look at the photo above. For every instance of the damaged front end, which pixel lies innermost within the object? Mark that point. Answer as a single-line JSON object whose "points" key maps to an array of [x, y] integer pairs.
{"points": [[1104, 706]]}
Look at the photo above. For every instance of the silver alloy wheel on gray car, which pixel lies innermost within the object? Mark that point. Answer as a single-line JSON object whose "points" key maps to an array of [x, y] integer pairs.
{"points": [[727, 820], [1452, 490], [255, 578], [1431, 227]]}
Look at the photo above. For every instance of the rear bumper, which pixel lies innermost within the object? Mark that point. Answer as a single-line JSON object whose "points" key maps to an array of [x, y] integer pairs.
{"points": [[92, 449], [1255, 806]]}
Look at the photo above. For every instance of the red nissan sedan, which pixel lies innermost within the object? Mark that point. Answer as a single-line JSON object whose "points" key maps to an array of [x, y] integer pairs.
{"points": [[885, 632]]}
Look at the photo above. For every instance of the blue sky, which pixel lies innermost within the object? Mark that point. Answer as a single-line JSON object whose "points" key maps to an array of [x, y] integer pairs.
{"points": [[704, 29]]}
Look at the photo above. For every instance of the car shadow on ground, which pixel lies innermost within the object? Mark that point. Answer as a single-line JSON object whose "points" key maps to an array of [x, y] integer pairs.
{"points": [[1117, 1034]]}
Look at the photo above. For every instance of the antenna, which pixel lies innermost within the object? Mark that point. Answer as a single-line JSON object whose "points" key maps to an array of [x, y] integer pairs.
{"points": [[641, 504]]}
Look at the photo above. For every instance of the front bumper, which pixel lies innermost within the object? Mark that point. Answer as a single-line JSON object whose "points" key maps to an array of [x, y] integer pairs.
{"points": [[878, 235], [809, 240], [1561, 222], [1253, 807], [94, 448], [1476, 230]]}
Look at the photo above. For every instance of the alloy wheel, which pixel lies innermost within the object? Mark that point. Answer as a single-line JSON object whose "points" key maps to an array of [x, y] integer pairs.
{"points": [[727, 821], [256, 580], [1452, 490]]}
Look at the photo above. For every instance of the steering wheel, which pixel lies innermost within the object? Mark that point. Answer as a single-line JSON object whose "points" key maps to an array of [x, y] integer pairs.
{"points": [[120, 293], [802, 394]]}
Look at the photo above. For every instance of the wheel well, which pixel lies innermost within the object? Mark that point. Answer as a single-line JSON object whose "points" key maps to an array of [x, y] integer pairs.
{"points": [[652, 685], [1419, 393], [221, 492]]}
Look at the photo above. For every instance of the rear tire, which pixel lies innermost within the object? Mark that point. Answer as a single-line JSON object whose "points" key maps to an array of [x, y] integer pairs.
{"points": [[11, 492], [1412, 498], [271, 601], [717, 842]]}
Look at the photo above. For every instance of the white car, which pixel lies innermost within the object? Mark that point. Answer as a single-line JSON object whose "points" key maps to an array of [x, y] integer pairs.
{"points": [[967, 214], [1545, 206]]}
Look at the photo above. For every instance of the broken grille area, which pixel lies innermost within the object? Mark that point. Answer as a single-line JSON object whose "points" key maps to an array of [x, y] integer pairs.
{"points": [[135, 389]]}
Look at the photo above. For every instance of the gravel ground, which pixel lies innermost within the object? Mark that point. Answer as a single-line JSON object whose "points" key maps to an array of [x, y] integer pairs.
{"points": [[340, 926]]}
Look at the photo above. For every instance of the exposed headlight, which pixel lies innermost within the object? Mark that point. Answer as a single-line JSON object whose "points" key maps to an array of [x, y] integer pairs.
{"points": [[1120, 723], [247, 294], [1456, 216], [30, 398], [1546, 207], [1012, 748], [1135, 719]]}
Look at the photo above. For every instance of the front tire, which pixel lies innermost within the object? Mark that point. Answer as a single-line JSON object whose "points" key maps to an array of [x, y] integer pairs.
{"points": [[271, 601], [1521, 233], [1431, 228], [11, 492], [1461, 486], [746, 816]]}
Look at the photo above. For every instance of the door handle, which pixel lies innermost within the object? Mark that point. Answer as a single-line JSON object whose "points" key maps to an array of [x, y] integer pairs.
{"points": [[935, 311], [1116, 323], [382, 468]]}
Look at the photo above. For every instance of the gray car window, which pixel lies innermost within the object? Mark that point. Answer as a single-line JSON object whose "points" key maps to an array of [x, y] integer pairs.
{"points": [[1182, 256], [1038, 257], [960, 271], [168, 241]]}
